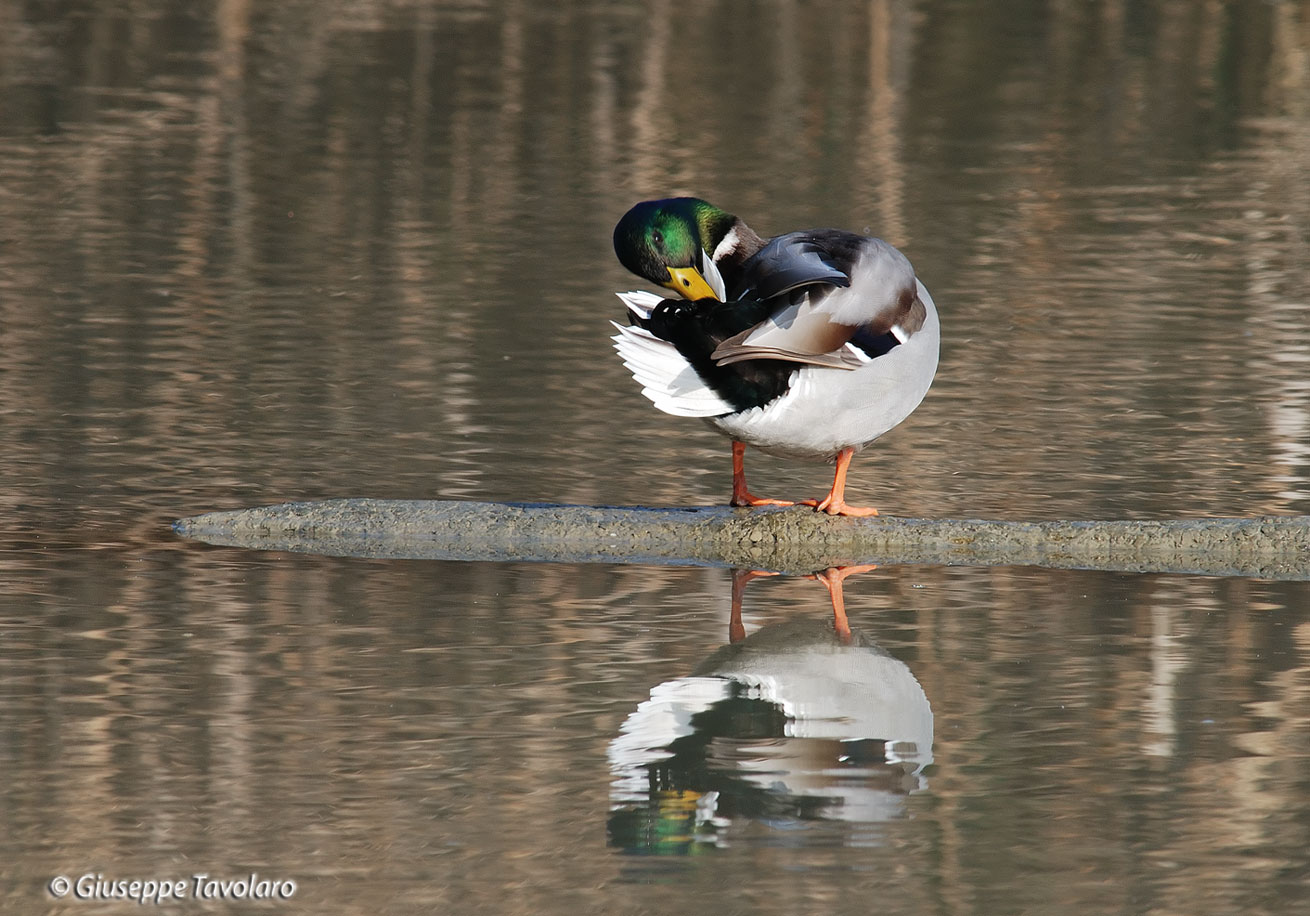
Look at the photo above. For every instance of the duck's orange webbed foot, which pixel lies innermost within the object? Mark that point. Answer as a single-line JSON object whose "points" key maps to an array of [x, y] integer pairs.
{"points": [[745, 499], [835, 502], [839, 507]]}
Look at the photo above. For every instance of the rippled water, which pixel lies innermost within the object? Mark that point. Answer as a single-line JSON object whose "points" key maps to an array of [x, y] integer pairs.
{"points": [[260, 252]]}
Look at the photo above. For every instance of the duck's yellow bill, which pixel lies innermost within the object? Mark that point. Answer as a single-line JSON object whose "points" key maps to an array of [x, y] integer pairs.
{"points": [[687, 282]]}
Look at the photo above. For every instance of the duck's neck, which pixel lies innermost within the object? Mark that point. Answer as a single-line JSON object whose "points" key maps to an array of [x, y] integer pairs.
{"points": [[733, 249]]}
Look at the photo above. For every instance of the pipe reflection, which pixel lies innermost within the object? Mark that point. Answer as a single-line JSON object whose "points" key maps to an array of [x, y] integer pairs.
{"points": [[800, 721]]}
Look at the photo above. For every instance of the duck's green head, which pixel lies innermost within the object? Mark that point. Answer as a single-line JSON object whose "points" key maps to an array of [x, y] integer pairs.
{"points": [[665, 241]]}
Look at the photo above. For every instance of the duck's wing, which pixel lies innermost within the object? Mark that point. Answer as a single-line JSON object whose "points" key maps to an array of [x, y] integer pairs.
{"points": [[836, 300], [799, 333], [797, 259], [669, 352], [665, 375], [640, 304]]}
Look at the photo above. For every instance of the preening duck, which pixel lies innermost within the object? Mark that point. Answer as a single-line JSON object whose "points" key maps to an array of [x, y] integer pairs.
{"points": [[810, 345]]}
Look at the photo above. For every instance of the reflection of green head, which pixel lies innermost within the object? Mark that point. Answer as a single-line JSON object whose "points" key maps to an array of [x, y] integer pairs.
{"points": [[662, 240]]}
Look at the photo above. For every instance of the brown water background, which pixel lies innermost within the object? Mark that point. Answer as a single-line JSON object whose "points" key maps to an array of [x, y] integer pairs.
{"points": [[257, 251]]}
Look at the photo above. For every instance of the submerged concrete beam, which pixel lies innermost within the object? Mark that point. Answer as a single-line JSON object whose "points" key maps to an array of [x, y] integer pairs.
{"points": [[796, 540]]}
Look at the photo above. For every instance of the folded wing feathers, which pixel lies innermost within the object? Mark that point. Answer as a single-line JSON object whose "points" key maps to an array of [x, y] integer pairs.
{"points": [[799, 333], [848, 357], [786, 263]]}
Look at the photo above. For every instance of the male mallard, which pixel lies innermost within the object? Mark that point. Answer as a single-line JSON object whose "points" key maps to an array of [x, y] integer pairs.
{"points": [[809, 345]]}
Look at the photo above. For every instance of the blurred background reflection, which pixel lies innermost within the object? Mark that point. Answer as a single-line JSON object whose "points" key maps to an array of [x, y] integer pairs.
{"points": [[253, 251]]}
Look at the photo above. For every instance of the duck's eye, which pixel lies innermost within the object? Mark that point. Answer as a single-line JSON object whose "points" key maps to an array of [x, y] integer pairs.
{"points": [[657, 238]]}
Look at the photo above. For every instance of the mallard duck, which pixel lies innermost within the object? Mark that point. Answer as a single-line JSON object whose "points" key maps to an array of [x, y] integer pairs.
{"points": [[810, 345]]}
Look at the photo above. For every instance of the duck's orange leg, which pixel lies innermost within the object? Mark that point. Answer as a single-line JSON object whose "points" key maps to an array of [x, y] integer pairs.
{"points": [[740, 495], [835, 502]]}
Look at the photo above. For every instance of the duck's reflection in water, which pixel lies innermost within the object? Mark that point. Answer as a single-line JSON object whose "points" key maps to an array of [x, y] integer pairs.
{"points": [[803, 720]]}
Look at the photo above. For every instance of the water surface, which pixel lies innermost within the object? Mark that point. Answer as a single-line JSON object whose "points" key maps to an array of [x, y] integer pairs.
{"points": [[257, 252]]}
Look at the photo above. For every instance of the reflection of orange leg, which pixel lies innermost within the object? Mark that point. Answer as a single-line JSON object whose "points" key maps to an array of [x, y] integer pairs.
{"points": [[835, 502], [740, 495], [736, 629], [832, 579]]}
